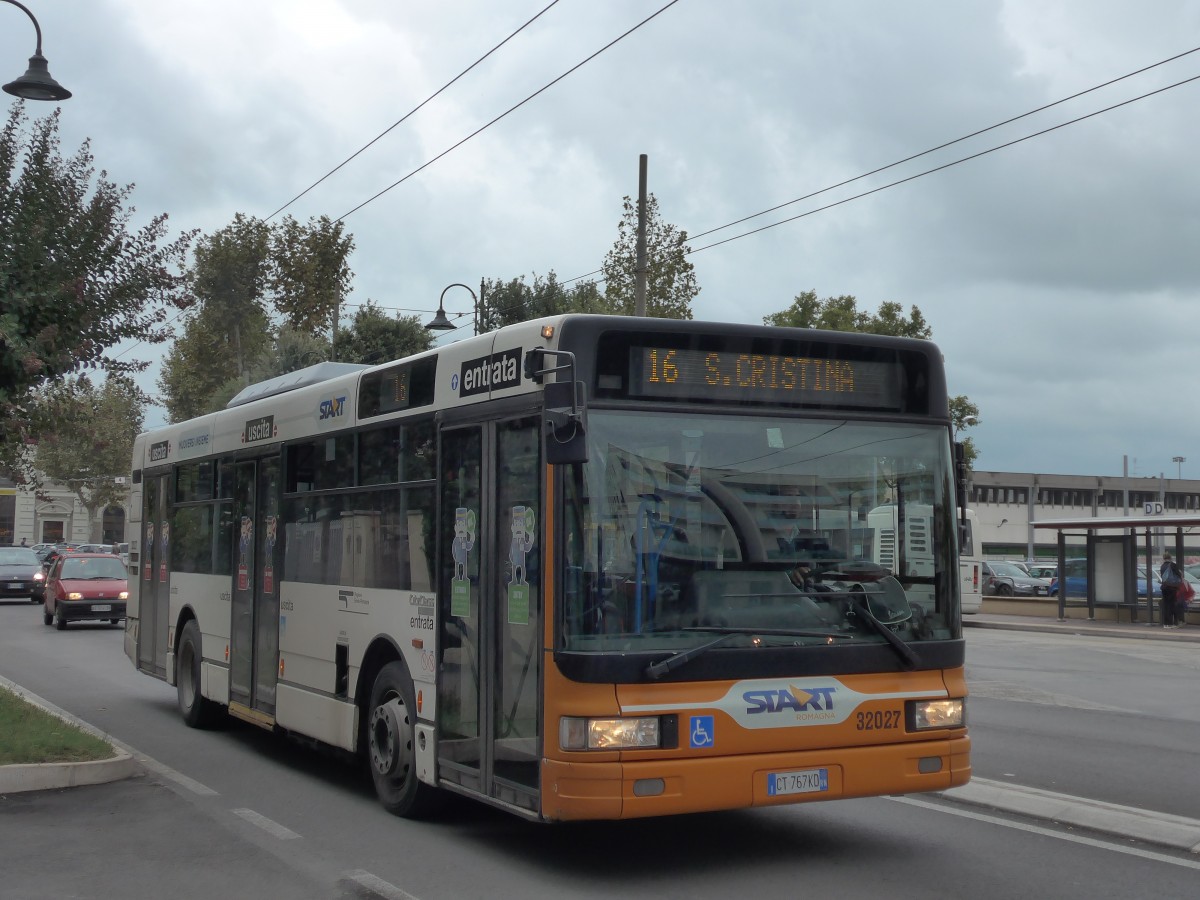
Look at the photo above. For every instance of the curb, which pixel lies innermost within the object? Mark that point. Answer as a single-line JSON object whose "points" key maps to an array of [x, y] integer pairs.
{"points": [[1122, 821], [55, 776]]}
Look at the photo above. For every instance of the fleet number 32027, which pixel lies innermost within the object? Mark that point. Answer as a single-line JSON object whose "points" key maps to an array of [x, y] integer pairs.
{"points": [[878, 720]]}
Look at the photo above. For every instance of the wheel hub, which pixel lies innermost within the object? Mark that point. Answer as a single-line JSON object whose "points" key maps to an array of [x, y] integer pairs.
{"points": [[387, 738]]}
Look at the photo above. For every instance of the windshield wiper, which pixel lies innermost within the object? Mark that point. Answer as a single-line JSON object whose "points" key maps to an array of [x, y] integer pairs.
{"points": [[662, 667], [905, 652]]}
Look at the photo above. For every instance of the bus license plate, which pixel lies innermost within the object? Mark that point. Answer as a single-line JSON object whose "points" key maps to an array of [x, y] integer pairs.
{"points": [[804, 781], [101, 607]]}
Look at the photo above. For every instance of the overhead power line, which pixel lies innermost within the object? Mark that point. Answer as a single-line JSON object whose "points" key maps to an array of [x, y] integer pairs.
{"points": [[410, 113], [948, 165], [906, 159], [511, 109]]}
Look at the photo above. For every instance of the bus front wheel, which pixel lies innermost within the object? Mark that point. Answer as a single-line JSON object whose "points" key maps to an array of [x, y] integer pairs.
{"points": [[391, 745]]}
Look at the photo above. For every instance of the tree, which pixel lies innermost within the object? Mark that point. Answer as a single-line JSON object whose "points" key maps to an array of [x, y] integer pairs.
{"points": [[88, 442], [246, 277], [671, 280], [962, 410], [842, 314], [373, 337], [75, 278], [508, 302]]}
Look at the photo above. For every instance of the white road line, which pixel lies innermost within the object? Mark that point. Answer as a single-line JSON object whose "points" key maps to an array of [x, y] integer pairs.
{"points": [[1046, 832], [267, 825], [378, 885], [167, 772]]}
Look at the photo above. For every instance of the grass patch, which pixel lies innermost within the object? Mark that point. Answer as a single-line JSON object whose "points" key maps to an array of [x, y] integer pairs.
{"points": [[29, 734]]}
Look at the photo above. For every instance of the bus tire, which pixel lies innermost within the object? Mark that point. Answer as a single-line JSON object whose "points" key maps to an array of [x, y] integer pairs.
{"points": [[391, 745], [197, 710]]}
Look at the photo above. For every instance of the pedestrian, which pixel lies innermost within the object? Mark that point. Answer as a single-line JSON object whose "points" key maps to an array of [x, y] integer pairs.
{"points": [[22, 542], [1172, 577]]}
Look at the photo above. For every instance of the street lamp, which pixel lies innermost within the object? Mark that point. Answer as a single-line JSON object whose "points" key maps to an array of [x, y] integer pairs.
{"points": [[442, 323], [36, 83], [1179, 461]]}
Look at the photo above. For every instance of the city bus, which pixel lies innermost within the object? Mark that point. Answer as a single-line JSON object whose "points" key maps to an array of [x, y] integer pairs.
{"points": [[581, 567], [904, 542]]}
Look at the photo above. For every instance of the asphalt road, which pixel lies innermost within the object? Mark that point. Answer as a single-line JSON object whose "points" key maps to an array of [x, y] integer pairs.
{"points": [[240, 812]]}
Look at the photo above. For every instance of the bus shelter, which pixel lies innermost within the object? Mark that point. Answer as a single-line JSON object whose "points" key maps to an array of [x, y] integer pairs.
{"points": [[1112, 545]]}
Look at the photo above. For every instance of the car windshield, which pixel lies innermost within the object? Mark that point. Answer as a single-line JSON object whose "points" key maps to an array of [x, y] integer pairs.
{"points": [[92, 568], [773, 531], [17, 556], [1009, 570]]}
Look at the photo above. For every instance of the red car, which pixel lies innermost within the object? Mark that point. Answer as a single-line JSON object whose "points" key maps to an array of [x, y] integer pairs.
{"points": [[84, 586]]}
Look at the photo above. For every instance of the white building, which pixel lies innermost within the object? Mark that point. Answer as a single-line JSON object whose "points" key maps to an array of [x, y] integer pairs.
{"points": [[56, 515], [1006, 503]]}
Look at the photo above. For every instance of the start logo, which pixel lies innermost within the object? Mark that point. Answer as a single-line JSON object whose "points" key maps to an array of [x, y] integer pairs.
{"points": [[790, 699], [332, 408]]}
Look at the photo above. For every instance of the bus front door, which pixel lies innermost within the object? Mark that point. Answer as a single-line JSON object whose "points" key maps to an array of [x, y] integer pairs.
{"points": [[254, 625], [489, 710]]}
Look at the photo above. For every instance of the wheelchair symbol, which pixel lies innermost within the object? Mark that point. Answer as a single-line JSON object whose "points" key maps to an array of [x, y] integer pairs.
{"points": [[702, 731]]}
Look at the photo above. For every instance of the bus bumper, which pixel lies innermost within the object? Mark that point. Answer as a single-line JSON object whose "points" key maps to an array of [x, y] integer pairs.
{"points": [[627, 790]]}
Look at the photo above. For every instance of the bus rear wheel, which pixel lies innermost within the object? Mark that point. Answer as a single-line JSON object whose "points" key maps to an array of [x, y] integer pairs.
{"points": [[197, 711], [391, 745]]}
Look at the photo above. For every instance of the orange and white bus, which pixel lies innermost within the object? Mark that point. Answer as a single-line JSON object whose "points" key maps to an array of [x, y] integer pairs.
{"points": [[557, 568]]}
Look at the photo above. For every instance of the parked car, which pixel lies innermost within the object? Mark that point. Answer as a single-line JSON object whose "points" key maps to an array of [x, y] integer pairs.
{"points": [[94, 548], [20, 573], [1003, 579], [84, 586], [1043, 570], [1076, 578]]}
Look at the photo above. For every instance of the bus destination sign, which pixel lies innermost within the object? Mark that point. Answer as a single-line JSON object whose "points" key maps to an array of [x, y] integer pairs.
{"points": [[764, 378]]}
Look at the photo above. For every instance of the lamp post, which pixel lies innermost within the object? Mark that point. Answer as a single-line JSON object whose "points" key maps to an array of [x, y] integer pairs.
{"points": [[442, 323], [967, 422], [36, 83], [1179, 461]]}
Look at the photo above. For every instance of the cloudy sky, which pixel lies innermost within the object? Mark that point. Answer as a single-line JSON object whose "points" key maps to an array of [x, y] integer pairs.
{"points": [[1060, 275]]}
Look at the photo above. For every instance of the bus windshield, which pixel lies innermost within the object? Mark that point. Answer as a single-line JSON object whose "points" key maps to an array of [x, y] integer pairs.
{"points": [[684, 527]]}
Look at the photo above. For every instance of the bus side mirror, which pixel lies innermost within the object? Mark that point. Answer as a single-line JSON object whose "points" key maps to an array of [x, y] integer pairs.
{"points": [[566, 423]]}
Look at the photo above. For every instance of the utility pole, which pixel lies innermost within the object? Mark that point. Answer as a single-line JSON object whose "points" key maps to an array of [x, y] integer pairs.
{"points": [[640, 268]]}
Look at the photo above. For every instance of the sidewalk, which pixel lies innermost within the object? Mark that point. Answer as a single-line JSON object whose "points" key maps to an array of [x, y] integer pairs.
{"points": [[1081, 625]]}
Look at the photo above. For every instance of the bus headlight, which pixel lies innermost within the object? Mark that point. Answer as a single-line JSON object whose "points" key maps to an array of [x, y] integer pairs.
{"points": [[609, 734], [924, 715]]}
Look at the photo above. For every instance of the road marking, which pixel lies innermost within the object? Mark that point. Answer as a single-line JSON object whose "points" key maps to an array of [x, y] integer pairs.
{"points": [[1046, 832], [167, 772], [267, 825], [378, 886]]}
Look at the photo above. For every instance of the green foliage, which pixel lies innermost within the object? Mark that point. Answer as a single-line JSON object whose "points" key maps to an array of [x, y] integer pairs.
{"points": [[961, 408], [310, 274], [244, 278], [88, 437], [75, 279], [842, 314], [373, 337], [671, 278], [508, 302]]}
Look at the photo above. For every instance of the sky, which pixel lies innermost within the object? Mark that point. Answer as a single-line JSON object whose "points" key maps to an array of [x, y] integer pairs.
{"points": [[1060, 274]]}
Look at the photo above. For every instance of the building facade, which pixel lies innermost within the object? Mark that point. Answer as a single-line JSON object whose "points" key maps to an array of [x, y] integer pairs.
{"points": [[1007, 504], [55, 514]]}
